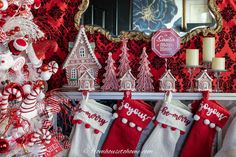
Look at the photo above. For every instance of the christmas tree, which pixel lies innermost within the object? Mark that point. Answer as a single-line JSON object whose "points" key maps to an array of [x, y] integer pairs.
{"points": [[25, 113], [124, 59], [144, 82], [110, 80]]}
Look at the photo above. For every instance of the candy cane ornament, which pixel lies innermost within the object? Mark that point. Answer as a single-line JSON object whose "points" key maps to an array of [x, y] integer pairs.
{"points": [[28, 107], [9, 90], [47, 71]]}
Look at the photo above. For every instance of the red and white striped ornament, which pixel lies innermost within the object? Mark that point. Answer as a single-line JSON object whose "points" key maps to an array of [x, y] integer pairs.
{"points": [[40, 137], [28, 107], [47, 71], [54, 103], [53, 67], [9, 90], [3, 36], [47, 124]]}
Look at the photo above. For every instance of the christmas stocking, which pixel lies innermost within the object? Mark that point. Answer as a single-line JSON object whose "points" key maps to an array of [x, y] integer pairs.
{"points": [[91, 121], [209, 118], [132, 116], [172, 121]]}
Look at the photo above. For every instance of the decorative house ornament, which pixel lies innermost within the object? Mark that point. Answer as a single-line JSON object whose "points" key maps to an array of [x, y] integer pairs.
{"points": [[203, 82], [86, 81], [80, 60], [124, 59], [127, 82], [167, 82]]}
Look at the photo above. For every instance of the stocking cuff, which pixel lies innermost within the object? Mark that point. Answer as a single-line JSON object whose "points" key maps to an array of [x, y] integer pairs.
{"points": [[95, 114], [212, 114], [136, 112], [174, 116]]}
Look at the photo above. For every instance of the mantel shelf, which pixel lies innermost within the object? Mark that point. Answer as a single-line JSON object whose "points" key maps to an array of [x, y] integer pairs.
{"points": [[147, 95]]}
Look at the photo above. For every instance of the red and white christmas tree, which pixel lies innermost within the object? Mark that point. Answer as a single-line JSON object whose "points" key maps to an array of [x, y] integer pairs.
{"points": [[124, 59], [144, 82], [110, 81], [25, 115]]}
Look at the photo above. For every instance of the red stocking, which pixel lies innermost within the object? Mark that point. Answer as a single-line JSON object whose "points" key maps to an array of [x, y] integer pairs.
{"points": [[209, 118], [132, 117]]}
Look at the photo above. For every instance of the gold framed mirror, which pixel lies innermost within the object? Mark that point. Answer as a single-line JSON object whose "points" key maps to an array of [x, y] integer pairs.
{"points": [[190, 24]]}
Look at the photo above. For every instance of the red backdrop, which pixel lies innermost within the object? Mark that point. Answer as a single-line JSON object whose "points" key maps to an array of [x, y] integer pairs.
{"points": [[56, 18]]}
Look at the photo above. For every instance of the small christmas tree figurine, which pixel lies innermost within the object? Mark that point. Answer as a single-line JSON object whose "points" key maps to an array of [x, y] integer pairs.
{"points": [[110, 81], [124, 59], [144, 82]]}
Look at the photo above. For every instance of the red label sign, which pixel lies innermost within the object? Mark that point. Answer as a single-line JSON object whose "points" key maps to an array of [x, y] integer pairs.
{"points": [[53, 148], [165, 43]]}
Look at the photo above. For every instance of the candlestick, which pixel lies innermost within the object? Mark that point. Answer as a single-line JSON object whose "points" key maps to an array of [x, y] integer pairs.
{"points": [[218, 75], [191, 70], [218, 64], [192, 57], [208, 49]]}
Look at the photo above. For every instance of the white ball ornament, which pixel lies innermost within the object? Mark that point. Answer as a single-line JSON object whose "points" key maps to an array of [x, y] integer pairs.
{"points": [[45, 75]]}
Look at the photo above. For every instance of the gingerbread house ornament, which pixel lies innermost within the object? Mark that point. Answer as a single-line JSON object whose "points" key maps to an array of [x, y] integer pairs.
{"points": [[127, 82], [203, 82], [81, 59], [86, 81], [167, 81]]}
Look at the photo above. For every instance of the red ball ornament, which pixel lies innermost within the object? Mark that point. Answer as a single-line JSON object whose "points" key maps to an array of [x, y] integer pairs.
{"points": [[12, 32], [5, 14], [2, 22], [8, 34], [26, 36], [39, 83], [44, 67], [1, 4], [22, 8], [17, 29], [4, 146]]}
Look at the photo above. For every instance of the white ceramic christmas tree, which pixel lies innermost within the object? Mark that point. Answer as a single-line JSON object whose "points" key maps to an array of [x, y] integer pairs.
{"points": [[144, 82], [124, 59], [110, 81]]}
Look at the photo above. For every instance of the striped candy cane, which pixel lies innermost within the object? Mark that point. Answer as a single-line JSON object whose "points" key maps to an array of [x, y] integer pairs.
{"points": [[7, 91], [40, 136], [53, 67], [28, 107]]}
